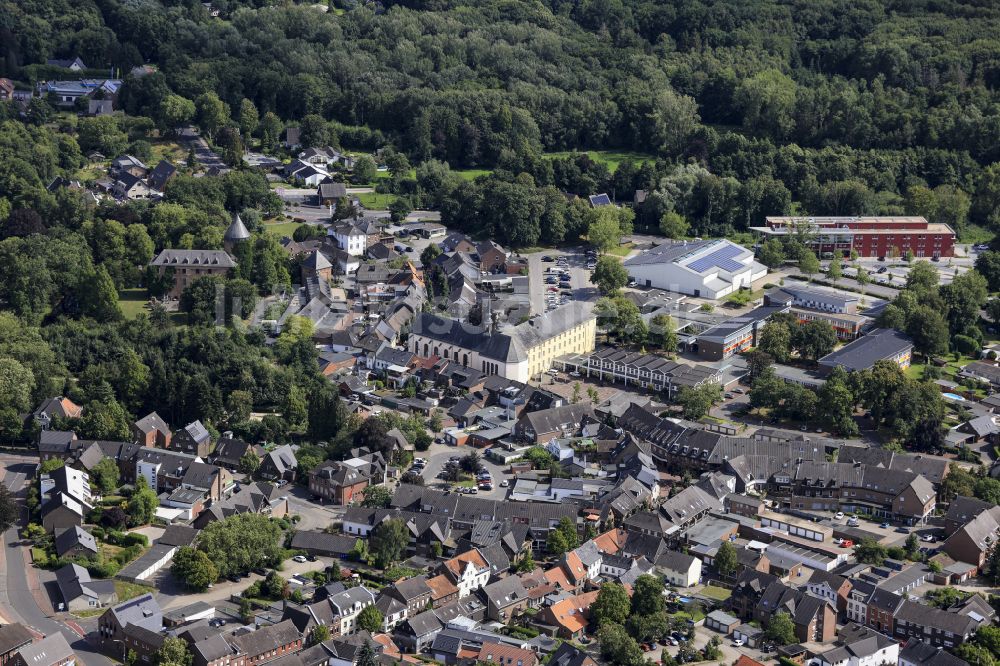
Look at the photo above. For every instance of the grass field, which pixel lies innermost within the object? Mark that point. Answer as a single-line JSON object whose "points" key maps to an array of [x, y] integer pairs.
{"points": [[376, 201], [472, 174], [132, 302], [281, 229], [717, 593], [611, 158], [128, 591], [167, 150], [621, 250]]}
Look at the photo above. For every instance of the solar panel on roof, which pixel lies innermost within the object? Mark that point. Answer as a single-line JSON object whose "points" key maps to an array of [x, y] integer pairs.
{"points": [[721, 258]]}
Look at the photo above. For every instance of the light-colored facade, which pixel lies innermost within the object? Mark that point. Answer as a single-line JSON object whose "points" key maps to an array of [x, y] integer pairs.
{"points": [[520, 353], [350, 238], [708, 269]]}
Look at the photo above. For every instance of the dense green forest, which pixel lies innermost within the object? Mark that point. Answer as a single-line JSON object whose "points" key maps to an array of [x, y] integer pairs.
{"points": [[744, 108]]}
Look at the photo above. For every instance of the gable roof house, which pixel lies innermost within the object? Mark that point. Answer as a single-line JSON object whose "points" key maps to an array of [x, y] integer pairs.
{"points": [[58, 407], [940, 628], [53, 650], [13, 637], [193, 439], [80, 592], [229, 451], [814, 619], [541, 426], [75, 542], [505, 599], [279, 464], [860, 646], [973, 541], [143, 611], [161, 174], [61, 511], [569, 616], [469, 571], [269, 643], [151, 430]]}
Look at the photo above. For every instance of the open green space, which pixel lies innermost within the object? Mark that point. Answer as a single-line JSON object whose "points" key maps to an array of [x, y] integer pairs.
{"points": [[472, 174], [132, 302], [621, 250], [282, 229], [610, 158], [376, 201], [715, 592]]}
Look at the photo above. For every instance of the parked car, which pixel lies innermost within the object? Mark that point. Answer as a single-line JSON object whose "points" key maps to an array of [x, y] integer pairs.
{"points": [[839, 515], [853, 522], [504, 483], [884, 526], [300, 559], [846, 543], [547, 258], [929, 538], [903, 530], [738, 642]]}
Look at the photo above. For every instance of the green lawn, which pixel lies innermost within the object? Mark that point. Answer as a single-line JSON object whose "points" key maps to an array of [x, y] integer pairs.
{"points": [[975, 234], [376, 201], [168, 150], [717, 593], [128, 591], [132, 302], [611, 158], [621, 250], [472, 174], [281, 229]]}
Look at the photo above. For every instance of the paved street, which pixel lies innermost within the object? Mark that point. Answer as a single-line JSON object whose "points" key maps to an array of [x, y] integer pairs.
{"points": [[205, 156], [17, 601]]}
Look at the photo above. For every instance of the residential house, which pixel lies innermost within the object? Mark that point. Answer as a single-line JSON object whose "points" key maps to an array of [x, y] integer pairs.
{"points": [[962, 510], [143, 611], [262, 498], [468, 571], [414, 593], [6, 90], [193, 439], [59, 407], [347, 605], [505, 599], [569, 655], [268, 643], [216, 650], [229, 452], [74, 64], [918, 653], [937, 627], [79, 592], [974, 541], [350, 238], [279, 464], [142, 642], [418, 632], [151, 430], [569, 616], [61, 511], [882, 606], [860, 646], [75, 542], [161, 174], [831, 587], [343, 482], [547, 424], [53, 650], [505, 655], [315, 265], [680, 569], [13, 637], [814, 619]]}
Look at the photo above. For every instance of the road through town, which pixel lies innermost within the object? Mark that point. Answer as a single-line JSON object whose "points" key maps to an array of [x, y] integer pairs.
{"points": [[17, 599]]}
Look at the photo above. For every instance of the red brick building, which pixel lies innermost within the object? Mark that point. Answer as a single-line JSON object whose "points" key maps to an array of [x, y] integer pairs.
{"points": [[868, 236]]}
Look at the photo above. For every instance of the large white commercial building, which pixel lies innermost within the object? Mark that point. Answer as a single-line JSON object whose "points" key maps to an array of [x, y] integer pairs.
{"points": [[709, 269], [519, 353]]}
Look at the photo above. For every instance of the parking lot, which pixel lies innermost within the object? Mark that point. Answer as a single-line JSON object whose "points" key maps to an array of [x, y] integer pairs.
{"points": [[572, 263], [439, 455]]}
